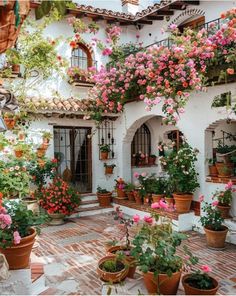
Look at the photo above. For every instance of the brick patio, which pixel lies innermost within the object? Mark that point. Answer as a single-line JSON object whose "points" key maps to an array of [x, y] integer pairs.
{"points": [[70, 253]]}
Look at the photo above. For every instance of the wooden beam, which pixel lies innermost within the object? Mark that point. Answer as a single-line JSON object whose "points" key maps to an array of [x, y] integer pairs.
{"points": [[155, 18], [190, 2], [143, 22], [165, 12], [122, 24], [178, 7]]}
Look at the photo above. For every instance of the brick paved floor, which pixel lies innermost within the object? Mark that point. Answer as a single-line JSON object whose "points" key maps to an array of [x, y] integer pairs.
{"points": [[70, 253]]}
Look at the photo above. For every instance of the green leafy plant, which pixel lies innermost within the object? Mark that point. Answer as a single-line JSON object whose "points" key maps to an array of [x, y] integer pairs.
{"points": [[102, 190], [109, 165], [212, 217], [211, 161], [112, 266], [200, 279], [223, 148], [159, 186], [14, 178], [180, 166], [42, 171], [105, 148], [129, 187], [225, 197], [15, 222]]}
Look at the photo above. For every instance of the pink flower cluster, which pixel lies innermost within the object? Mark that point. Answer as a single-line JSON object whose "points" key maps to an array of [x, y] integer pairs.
{"points": [[162, 74]]}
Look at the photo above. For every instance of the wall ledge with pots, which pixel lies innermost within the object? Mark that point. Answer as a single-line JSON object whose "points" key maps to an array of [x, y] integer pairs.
{"points": [[220, 180]]}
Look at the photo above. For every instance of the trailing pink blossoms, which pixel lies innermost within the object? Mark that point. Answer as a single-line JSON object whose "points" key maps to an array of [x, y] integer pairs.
{"points": [[166, 76]]}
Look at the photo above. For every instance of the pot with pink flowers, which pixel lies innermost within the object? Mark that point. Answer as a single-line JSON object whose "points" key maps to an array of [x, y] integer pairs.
{"points": [[212, 222], [200, 282], [120, 188], [17, 234]]}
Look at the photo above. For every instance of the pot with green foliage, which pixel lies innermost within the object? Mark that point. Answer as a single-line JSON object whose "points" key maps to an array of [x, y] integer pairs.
{"points": [[3, 142], [212, 167], [104, 151], [224, 198], [152, 159], [158, 188], [17, 235], [21, 149], [129, 189], [112, 269], [109, 168], [212, 222], [104, 197], [200, 282], [180, 166], [155, 248]]}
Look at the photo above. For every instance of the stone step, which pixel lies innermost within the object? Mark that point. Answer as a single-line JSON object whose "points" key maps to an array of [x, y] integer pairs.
{"points": [[89, 204], [88, 197], [90, 211]]}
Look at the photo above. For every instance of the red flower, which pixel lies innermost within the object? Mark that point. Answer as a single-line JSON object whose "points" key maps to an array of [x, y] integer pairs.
{"points": [[73, 44]]}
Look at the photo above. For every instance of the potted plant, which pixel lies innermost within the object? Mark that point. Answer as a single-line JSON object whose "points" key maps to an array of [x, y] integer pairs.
{"points": [[21, 149], [180, 166], [124, 249], [112, 269], [155, 248], [212, 167], [10, 120], [200, 282], [158, 189], [47, 136], [212, 222], [129, 189], [17, 234], [225, 166], [110, 243], [104, 197], [169, 194], [109, 168], [59, 200], [104, 151], [120, 188], [152, 159], [224, 198]]}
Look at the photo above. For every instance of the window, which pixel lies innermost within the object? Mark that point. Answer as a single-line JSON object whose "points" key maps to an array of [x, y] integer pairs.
{"points": [[177, 137], [142, 141], [81, 57], [193, 24]]}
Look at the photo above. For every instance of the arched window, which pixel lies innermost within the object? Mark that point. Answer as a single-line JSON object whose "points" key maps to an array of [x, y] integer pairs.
{"points": [[177, 137], [81, 57], [142, 141]]}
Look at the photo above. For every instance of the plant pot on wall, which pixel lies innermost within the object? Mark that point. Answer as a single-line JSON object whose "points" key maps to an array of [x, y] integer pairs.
{"points": [[121, 193], [157, 197], [216, 239], [130, 196], [182, 202], [56, 219], [224, 210], [213, 172], [104, 199], [151, 160], [104, 155], [225, 170], [18, 255], [190, 290], [167, 285], [138, 198]]}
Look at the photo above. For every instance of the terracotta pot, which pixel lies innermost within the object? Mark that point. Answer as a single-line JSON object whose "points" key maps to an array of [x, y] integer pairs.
{"points": [[128, 259], [189, 290], [46, 141], [157, 197], [104, 199], [183, 202], [138, 198], [104, 155], [170, 201], [167, 285], [225, 170], [18, 153], [213, 171], [130, 196], [40, 152], [224, 210], [56, 219], [151, 160], [18, 255], [216, 239], [113, 277], [108, 170], [120, 193], [10, 123], [15, 68], [146, 200]]}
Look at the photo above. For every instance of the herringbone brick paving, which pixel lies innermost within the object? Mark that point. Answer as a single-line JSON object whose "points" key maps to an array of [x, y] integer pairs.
{"points": [[70, 254]]}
